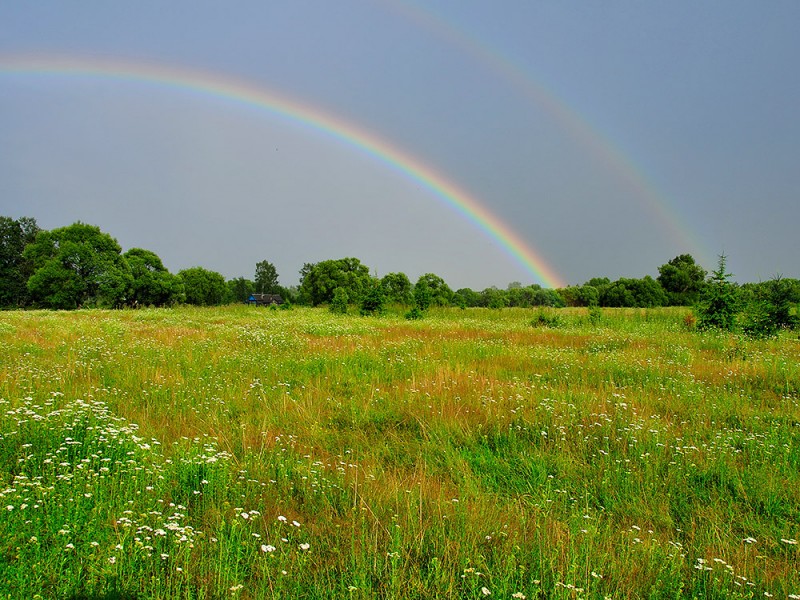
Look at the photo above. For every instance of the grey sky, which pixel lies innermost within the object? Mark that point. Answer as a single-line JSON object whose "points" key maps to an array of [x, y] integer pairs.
{"points": [[610, 136]]}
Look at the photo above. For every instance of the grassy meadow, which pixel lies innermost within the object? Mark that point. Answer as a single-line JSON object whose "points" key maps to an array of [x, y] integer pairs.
{"points": [[241, 452]]}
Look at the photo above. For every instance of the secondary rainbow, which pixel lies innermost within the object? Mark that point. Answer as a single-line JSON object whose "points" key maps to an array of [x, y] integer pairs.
{"points": [[245, 93], [599, 145]]}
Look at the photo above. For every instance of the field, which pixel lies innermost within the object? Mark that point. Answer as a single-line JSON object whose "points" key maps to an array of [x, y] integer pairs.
{"points": [[248, 453]]}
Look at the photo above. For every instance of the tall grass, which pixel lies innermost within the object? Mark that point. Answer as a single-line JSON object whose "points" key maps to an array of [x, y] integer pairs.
{"points": [[240, 452]]}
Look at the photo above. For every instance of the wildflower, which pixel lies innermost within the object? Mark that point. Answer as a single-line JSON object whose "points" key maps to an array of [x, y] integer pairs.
{"points": [[295, 523], [750, 540], [112, 559], [70, 546], [791, 542], [267, 548], [518, 596], [486, 591], [33, 539], [245, 516], [282, 519], [10, 507], [164, 556], [305, 546], [236, 588]]}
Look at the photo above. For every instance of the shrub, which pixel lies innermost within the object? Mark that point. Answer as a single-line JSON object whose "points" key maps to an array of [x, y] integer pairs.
{"points": [[545, 319], [338, 304]]}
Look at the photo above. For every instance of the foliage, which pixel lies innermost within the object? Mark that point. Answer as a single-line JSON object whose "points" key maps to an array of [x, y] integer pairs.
{"points": [[373, 300], [203, 287], [495, 298], [338, 304], [545, 318], [15, 269], [153, 284], [77, 266], [266, 281], [240, 289], [423, 298], [682, 279], [440, 292], [770, 307], [625, 292], [397, 288], [719, 301], [595, 315], [321, 279]]}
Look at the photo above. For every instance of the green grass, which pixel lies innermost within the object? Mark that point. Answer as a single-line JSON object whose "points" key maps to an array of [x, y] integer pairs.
{"points": [[246, 453]]}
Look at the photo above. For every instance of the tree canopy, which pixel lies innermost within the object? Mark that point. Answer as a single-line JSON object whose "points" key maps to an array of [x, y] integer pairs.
{"points": [[683, 280], [203, 287], [266, 281], [15, 269], [152, 283], [321, 279], [76, 266]]}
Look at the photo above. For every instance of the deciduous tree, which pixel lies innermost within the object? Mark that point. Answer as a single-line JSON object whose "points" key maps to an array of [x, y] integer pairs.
{"points": [[14, 268], [321, 279], [682, 279], [76, 266], [266, 281], [152, 283], [203, 287]]}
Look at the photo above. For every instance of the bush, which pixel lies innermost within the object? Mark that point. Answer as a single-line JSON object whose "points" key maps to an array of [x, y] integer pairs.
{"points": [[545, 319], [338, 304]]}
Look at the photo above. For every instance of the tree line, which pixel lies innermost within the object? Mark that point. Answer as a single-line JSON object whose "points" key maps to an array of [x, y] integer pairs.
{"points": [[81, 266]]}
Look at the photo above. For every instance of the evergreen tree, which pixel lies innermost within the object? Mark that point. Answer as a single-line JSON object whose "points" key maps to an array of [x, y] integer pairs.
{"points": [[720, 300]]}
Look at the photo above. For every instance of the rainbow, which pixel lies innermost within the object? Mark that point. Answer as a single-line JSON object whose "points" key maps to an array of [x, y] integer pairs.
{"points": [[599, 145], [294, 111]]}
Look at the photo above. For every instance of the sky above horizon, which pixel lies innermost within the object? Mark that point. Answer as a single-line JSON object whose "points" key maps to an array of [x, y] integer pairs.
{"points": [[608, 138]]}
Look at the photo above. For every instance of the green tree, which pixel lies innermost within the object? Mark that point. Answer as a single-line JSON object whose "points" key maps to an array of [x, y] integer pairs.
{"points": [[338, 303], [374, 299], [203, 287], [440, 292], [617, 294], [682, 279], [76, 266], [770, 305], [494, 298], [266, 281], [15, 269], [239, 289], [719, 302], [321, 279], [422, 297], [647, 293], [152, 283], [397, 288], [467, 297], [588, 295]]}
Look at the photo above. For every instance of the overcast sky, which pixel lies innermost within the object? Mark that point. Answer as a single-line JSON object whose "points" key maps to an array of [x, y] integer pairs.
{"points": [[609, 136]]}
